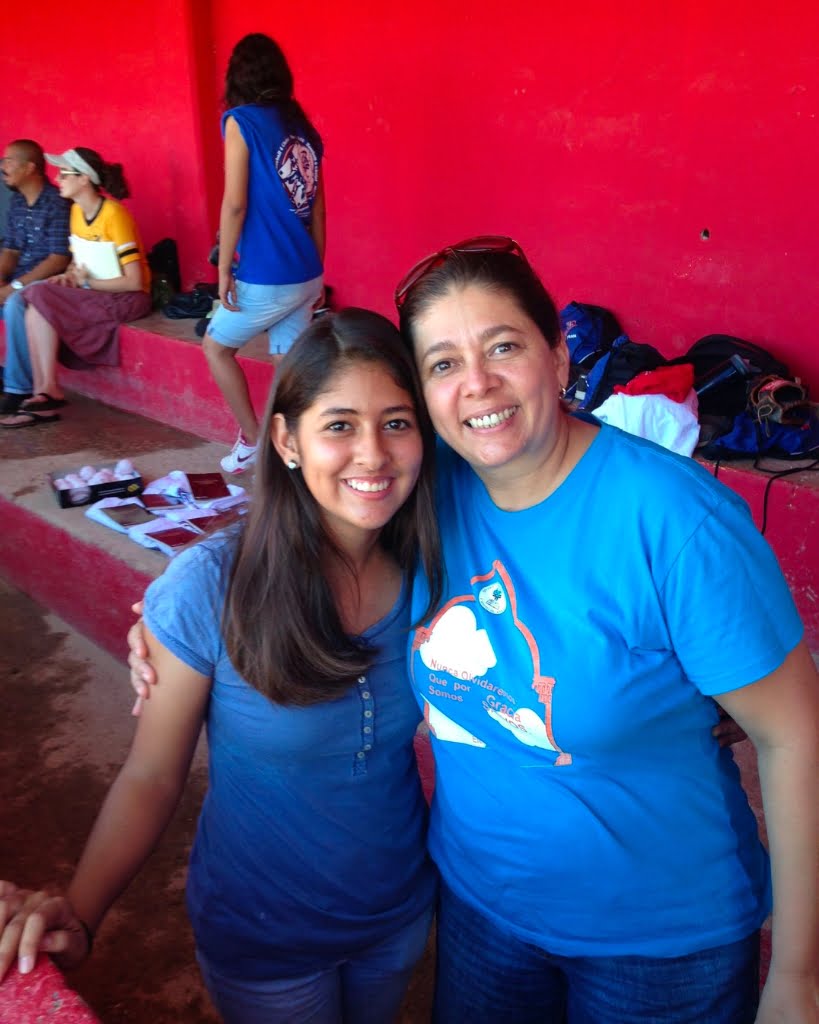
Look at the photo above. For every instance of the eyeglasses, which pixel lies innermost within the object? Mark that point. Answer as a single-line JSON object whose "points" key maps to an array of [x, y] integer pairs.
{"points": [[69, 174], [481, 243]]}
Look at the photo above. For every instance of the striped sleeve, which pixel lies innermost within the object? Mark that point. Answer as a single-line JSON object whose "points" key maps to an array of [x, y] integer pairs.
{"points": [[122, 231]]}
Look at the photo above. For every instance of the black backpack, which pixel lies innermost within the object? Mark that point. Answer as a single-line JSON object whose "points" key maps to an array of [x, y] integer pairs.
{"points": [[725, 370], [166, 279], [624, 360]]}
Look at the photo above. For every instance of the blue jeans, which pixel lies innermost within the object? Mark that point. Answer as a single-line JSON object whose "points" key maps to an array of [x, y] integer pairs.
{"points": [[365, 988], [487, 976], [17, 376]]}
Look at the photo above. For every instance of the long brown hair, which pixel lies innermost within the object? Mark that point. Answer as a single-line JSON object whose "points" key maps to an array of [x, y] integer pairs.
{"points": [[282, 629], [258, 72]]}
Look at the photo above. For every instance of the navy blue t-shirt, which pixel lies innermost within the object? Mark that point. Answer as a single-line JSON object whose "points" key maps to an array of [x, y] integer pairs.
{"points": [[311, 839]]}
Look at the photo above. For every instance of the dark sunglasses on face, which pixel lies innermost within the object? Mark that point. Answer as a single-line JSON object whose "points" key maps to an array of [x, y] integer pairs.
{"points": [[69, 174], [481, 243]]}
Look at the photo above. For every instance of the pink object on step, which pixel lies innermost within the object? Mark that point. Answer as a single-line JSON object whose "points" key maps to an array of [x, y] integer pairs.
{"points": [[41, 997]]}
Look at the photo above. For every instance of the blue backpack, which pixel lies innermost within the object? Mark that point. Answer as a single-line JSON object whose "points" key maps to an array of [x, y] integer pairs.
{"points": [[590, 332], [602, 356]]}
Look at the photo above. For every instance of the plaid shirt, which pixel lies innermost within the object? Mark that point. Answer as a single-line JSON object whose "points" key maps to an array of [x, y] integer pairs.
{"points": [[39, 230]]}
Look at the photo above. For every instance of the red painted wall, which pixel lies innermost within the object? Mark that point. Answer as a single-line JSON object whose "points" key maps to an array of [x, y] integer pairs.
{"points": [[121, 79], [606, 138]]}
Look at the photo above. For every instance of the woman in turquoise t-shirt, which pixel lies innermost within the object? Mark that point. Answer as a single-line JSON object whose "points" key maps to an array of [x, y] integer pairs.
{"points": [[598, 858]]}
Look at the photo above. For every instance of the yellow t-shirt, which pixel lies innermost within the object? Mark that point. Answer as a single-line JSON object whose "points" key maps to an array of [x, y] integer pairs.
{"points": [[113, 223]]}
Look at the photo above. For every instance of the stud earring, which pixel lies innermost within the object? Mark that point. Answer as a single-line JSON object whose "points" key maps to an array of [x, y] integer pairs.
{"points": [[563, 392], [292, 464]]}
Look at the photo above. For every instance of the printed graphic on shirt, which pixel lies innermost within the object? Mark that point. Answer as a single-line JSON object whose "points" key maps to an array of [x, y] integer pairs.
{"points": [[442, 727], [297, 164], [465, 673]]}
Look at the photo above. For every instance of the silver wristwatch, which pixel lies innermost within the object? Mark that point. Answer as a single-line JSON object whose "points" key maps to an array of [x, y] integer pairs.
{"points": [[17, 285]]}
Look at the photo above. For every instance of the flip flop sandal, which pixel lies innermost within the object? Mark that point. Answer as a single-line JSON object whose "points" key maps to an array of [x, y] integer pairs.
{"points": [[49, 405], [32, 419]]}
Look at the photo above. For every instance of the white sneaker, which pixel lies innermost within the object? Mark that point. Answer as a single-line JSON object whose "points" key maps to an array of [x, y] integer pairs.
{"points": [[242, 456]]}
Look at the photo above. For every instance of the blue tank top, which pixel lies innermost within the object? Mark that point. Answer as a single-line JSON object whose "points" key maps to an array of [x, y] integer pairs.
{"points": [[276, 246]]}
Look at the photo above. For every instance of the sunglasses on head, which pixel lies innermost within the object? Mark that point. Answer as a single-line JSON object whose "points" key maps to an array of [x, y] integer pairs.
{"points": [[481, 243]]}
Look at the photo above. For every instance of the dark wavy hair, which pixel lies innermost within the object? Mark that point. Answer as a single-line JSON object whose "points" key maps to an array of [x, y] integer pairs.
{"points": [[258, 72], [282, 629], [497, 271], [112, 177]]}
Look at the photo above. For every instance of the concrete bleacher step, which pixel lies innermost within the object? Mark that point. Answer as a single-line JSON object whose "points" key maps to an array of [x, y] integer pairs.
{"points": [[791, 526], [86, 573], [163, 375]]}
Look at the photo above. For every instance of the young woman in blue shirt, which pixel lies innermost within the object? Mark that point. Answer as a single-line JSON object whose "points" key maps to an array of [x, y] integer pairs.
{"points": [[309, 890]]}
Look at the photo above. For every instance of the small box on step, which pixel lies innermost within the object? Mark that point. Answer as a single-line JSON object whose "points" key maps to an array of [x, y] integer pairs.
{"points": [[88, 484]]}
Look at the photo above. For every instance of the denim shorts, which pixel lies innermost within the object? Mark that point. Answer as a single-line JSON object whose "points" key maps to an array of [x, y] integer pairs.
{"points": [[485, 975], [283, 310]]}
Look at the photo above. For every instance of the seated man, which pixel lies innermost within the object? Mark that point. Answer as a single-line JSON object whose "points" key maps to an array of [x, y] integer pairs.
{"points": [[35, 246], [5, 199]]}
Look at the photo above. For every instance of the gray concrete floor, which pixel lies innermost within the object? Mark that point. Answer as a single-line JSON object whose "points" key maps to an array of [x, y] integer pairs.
{"points": [[64, 729]]}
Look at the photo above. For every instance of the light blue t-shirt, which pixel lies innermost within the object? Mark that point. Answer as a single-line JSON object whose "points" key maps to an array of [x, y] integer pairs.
{"points": [[581, 801], [276, 246], [311, 838]]}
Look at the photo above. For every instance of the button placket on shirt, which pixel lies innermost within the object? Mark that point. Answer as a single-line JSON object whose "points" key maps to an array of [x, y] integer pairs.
{"points": [[367, 726]]}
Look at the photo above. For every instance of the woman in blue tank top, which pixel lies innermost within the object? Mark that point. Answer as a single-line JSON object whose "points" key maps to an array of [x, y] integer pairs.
{"points": [[271, 226]]}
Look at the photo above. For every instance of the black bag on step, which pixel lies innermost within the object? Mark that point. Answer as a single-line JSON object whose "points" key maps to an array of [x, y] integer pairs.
{"points": [[166, 279], [725, 370], [192, 305], [624, 360]]}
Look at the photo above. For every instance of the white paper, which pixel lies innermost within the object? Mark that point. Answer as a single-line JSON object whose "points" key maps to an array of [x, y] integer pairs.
{"points": [[99, 258]]}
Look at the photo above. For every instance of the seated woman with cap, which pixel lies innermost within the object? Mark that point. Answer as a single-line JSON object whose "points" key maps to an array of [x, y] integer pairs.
{"points": [[75, 316]]}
